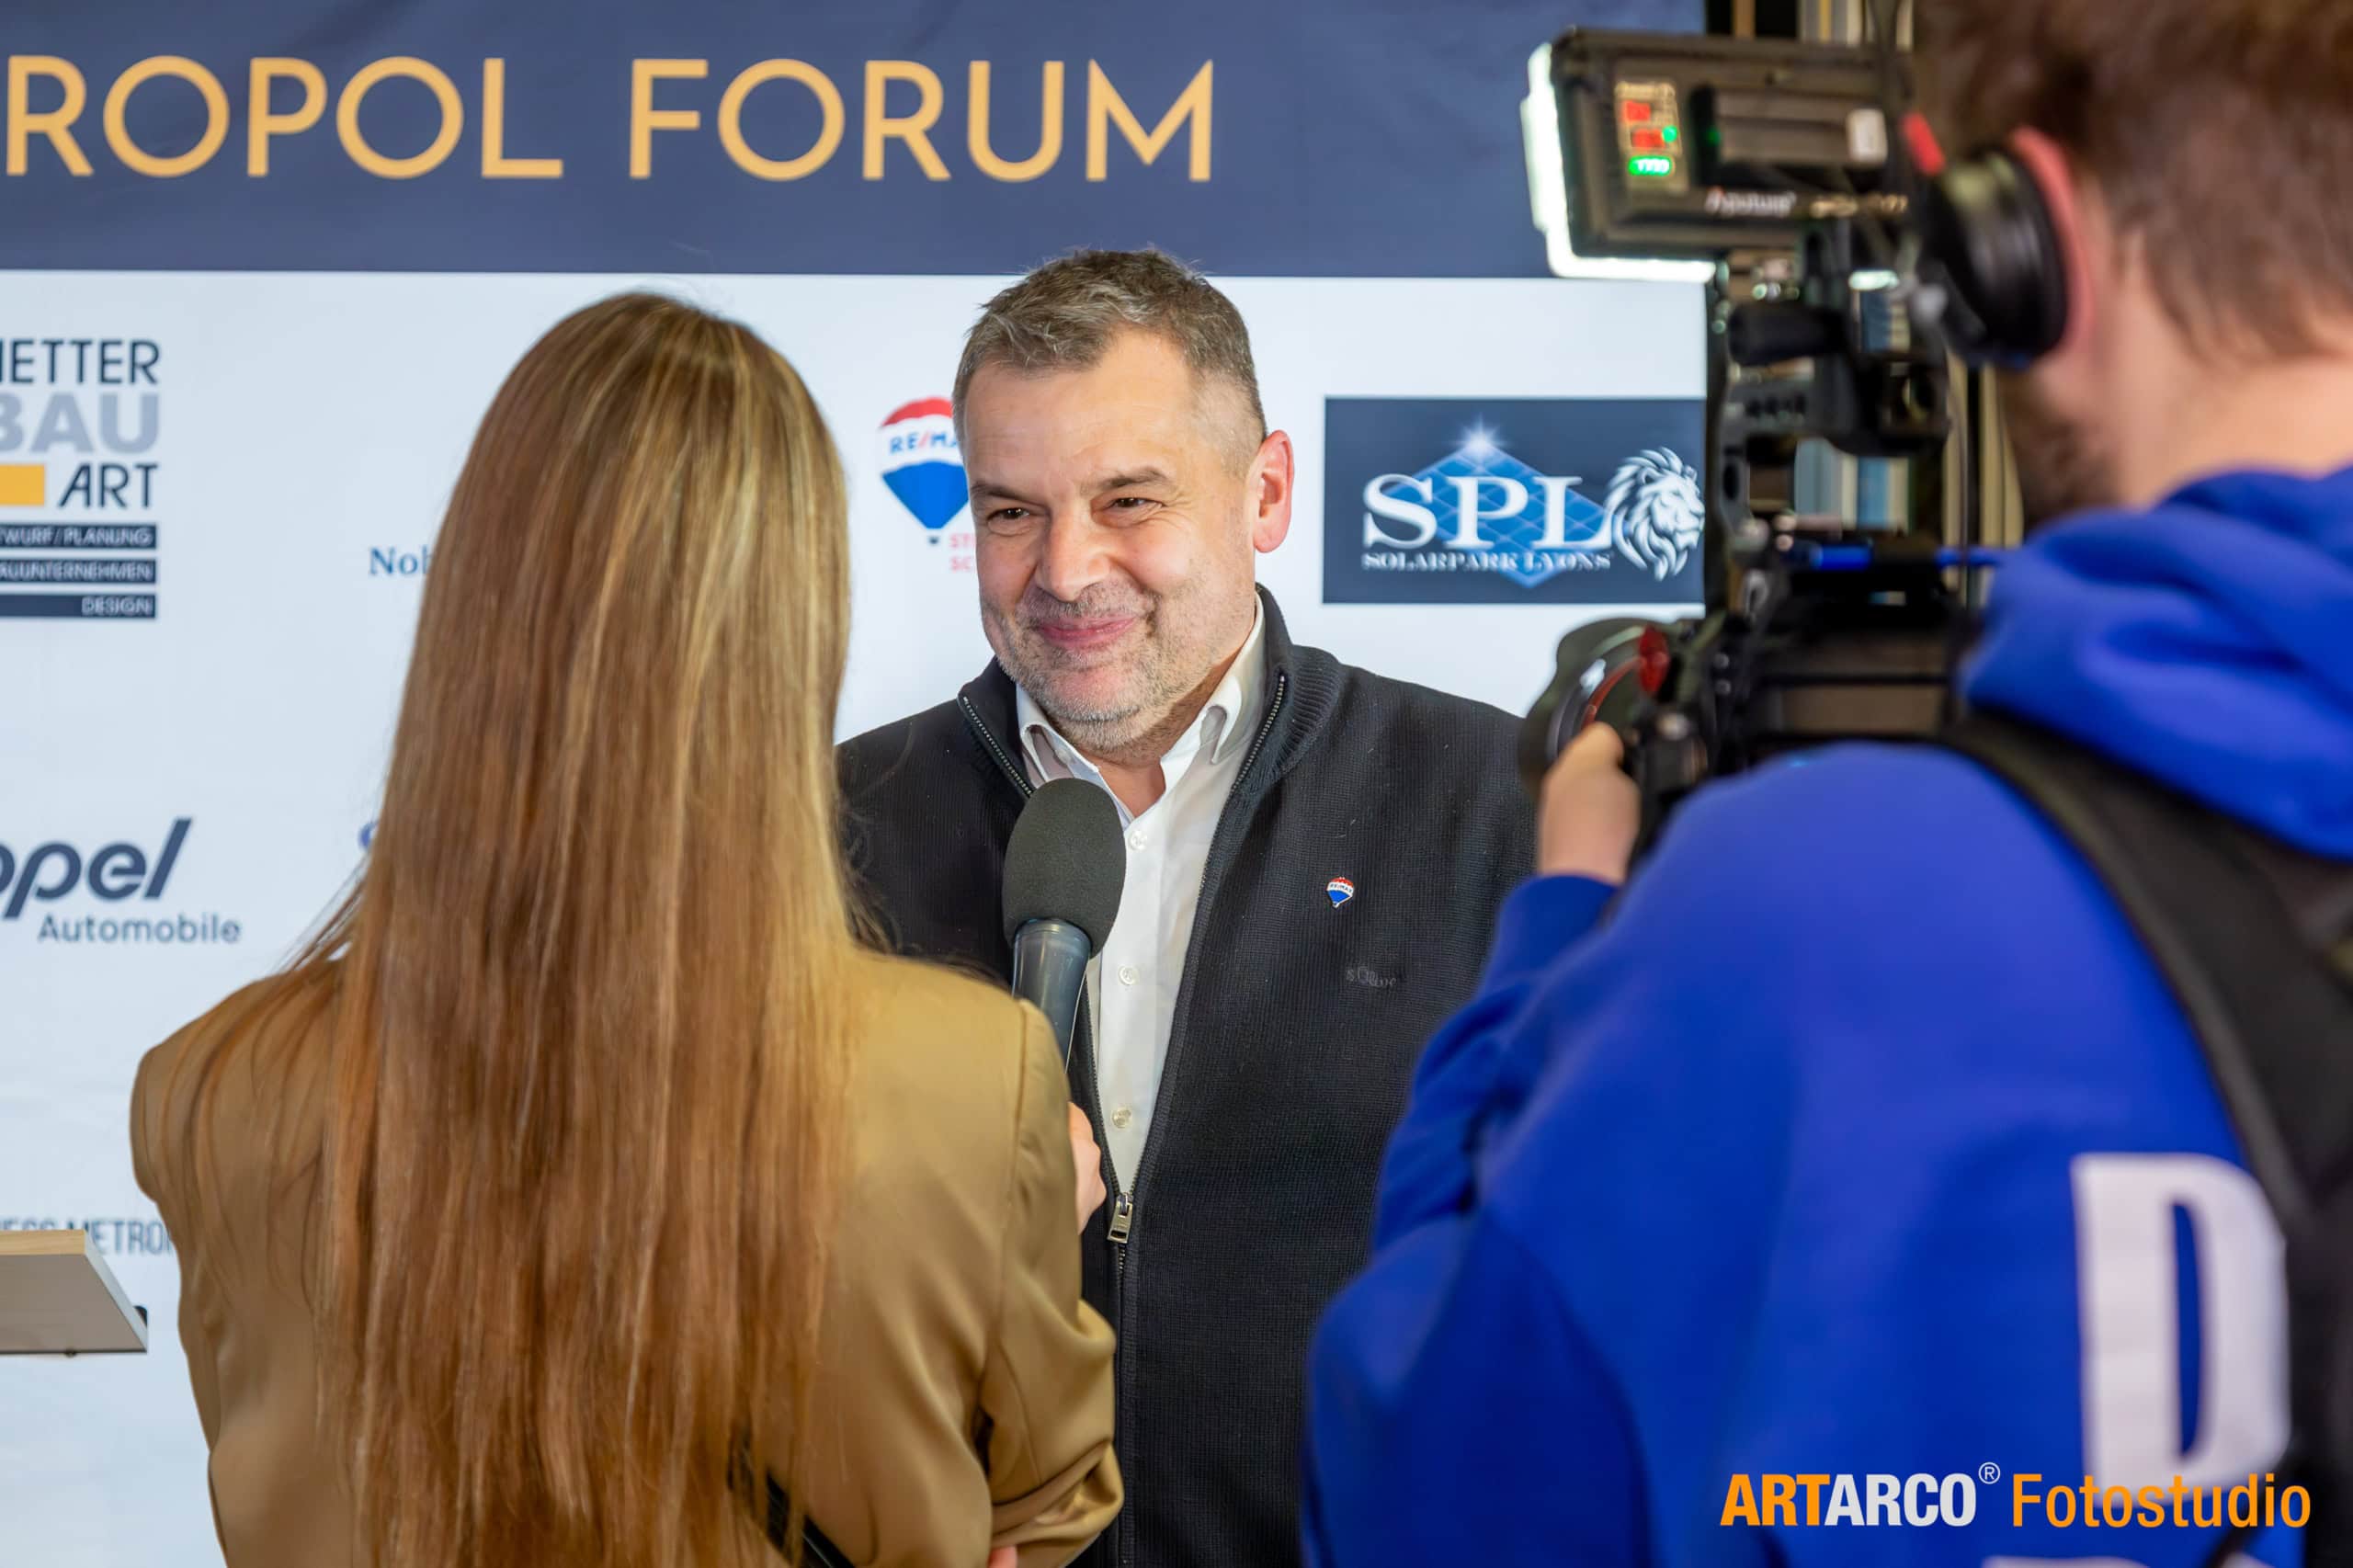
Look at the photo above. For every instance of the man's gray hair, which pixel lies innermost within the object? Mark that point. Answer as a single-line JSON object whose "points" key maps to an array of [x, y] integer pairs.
{"points": [[1063, 315]]}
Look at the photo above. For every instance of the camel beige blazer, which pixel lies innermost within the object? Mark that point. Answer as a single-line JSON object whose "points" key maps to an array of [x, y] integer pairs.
{"points": [[964, 1396]]}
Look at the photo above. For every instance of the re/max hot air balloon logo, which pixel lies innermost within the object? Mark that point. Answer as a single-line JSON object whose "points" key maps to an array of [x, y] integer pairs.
{"points": [[926, 473]]}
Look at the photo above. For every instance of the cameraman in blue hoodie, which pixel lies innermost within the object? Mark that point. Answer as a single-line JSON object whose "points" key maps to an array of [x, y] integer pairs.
{"points": [[1858, 1194]]}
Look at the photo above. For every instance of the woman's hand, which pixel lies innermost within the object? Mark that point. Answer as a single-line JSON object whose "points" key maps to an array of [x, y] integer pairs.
{"points": [[1088, 1158]]}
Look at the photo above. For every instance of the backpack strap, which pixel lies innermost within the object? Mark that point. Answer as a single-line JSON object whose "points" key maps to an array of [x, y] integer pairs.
{"points": [[2255, 940], [773, 1506], [816, 1551]]}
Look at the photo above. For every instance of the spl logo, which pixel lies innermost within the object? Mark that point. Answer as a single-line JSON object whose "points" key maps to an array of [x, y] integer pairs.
{"points": [[922, 465], [1530, 525], [1513, 500]]}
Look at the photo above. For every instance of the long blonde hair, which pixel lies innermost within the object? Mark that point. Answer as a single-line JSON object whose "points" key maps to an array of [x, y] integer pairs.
{"points": [[591, 1027]]}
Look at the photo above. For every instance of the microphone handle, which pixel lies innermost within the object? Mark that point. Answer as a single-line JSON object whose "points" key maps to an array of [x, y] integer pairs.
{"points": [[1049, 959]]}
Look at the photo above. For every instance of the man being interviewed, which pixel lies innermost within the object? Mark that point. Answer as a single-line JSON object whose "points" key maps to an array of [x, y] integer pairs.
{"points": [[1315, 856]]}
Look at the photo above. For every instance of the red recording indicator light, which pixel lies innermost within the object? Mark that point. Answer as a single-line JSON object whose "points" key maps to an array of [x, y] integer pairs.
{"points": [[1921, 143], [1649, 141], [1636, 113], [1654, 660]]}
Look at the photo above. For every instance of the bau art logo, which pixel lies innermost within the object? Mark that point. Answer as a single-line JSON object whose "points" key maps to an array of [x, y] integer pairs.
{"points": [[81, 477], [924, 470], [1512, 501]]}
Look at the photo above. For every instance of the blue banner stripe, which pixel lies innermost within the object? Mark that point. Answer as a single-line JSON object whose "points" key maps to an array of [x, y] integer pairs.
{"points": [[1314, 139]]}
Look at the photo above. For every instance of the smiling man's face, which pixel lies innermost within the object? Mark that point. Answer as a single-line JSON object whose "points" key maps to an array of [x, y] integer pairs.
{"points": [[1115, 533]]}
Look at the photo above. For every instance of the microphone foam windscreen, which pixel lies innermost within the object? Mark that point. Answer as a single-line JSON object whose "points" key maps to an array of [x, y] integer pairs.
{"points": [[1066, 860]]}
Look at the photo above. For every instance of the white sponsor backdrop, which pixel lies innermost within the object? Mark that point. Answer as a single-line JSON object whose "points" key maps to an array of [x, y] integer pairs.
{"points": [[309, 429]]}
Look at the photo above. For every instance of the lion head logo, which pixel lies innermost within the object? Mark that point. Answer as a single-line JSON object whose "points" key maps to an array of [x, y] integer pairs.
{"points": [[1655, 511]]}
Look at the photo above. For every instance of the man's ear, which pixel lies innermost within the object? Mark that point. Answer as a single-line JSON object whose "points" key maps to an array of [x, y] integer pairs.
{"points": [[2080, 228], [1273, 479]]}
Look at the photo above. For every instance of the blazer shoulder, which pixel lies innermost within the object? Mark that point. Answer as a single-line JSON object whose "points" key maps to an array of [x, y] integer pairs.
{"points": [[946, 1080], [215, 1054], [941, 1039]]}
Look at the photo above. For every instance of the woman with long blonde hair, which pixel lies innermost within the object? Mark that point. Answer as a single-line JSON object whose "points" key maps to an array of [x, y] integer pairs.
{"points": [[585, 1175]]}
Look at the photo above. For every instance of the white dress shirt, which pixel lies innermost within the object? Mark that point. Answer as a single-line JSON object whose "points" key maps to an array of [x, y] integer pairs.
{"points": [[1137, 973]]}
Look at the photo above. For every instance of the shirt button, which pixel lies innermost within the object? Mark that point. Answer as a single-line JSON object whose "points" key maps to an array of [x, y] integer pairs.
{"points": [[1128, 975], [1137, 839], [1120, 1116]]}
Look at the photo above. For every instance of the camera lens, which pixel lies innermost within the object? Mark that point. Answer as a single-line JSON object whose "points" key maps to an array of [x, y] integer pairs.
{"points": [[1603, 671]]}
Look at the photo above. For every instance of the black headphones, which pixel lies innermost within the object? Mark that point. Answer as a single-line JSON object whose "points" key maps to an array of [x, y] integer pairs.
{"points": [[1986, 236]]}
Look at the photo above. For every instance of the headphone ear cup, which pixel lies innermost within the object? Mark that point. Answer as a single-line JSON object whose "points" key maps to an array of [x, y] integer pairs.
{"points": [[1987, 232]]}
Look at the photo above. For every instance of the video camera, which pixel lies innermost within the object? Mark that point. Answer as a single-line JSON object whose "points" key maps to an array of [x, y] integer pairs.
{"points": [[1779, 174]]}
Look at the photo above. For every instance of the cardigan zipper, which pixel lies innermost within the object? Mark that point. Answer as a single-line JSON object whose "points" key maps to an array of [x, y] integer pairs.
{"points": [[1266, 728], [1123, 1215], [973, 719]]}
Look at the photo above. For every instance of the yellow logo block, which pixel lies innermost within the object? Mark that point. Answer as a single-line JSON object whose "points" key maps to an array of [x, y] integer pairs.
{"points": [[23, 484]]}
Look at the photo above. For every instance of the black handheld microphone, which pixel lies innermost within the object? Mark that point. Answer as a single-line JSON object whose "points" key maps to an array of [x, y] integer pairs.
{"points": [[1063, 871]]}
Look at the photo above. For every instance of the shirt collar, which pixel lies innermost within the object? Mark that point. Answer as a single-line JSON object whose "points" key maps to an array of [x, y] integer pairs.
{"points": [[1224, 720]]}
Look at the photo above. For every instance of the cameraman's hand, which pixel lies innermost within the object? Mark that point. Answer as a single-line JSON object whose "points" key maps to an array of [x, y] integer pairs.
{"points": [[1592, 811], [1088, 1158]]}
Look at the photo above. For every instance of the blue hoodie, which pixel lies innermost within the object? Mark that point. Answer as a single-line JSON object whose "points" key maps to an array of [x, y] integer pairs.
{"points": [[1863, 1141]]}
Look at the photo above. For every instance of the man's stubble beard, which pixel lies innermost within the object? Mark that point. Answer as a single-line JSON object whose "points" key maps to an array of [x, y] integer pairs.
{"points": [[1108, 723], [2062, 467], [1143, 721]]}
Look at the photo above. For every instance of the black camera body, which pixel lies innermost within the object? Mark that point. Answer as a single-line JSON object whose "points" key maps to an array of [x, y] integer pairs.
{"points": [[1842, 275]]}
